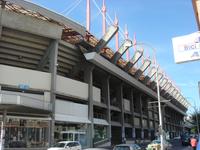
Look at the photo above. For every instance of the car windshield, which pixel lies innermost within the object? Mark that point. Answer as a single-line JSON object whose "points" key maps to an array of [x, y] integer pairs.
{"points": [[122, 148], [59, 145]]}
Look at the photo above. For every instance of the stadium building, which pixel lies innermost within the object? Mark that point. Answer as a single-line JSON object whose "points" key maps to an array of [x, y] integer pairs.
{"points": [[59, 82]]}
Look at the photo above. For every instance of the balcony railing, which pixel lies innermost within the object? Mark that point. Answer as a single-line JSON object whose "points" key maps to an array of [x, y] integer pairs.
{"points": [[23, 100]]}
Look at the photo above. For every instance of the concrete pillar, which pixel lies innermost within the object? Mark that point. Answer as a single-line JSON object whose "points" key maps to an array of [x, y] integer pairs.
{"points": [[133, 133], [121, 100], [88, 78], [3, 3], [53, 71], [133, 114], [163, 117], [148, 121], [106, 95], [4, 127], [141, 116]]}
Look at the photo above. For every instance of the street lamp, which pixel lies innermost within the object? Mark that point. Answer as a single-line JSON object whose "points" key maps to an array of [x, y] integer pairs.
{"points": [[158, 95]]}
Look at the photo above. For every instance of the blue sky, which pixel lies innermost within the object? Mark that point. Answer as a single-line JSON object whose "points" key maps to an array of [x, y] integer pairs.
{"points": [[154, 22]]}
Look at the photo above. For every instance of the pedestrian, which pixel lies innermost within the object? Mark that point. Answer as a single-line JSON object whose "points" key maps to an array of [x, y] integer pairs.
{"points": [[193, 143]]}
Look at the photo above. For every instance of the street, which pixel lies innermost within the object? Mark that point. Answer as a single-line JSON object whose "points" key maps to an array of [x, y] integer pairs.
{"points": [[177, 146]]}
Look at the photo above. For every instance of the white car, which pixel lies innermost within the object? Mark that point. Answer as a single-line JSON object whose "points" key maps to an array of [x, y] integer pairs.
{"points": [[127, 147], [66, 145]]}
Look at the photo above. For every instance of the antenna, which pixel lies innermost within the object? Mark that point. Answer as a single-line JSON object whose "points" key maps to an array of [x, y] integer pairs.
{"points": [[104, 17], [116, 23], [88, 16], [126, 37]]}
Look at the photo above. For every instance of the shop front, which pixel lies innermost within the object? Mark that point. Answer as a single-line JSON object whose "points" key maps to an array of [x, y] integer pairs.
{"points": [[26, 132]]}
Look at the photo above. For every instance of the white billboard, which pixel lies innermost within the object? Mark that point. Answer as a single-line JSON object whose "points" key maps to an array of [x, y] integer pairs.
{"points": [[186, 48]]}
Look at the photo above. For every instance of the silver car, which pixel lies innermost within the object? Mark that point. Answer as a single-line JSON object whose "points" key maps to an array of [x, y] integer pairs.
{"points": [[127, 147]]}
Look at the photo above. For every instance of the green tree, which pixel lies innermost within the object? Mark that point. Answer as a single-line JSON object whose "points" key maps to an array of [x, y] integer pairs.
{"points": [[195, 119]]}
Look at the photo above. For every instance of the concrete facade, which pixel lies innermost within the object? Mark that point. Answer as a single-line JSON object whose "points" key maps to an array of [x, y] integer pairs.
{"points": [[52, 89]]}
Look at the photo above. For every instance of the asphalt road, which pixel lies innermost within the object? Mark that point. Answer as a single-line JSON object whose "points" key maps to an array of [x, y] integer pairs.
{"points": [[176, 145]]}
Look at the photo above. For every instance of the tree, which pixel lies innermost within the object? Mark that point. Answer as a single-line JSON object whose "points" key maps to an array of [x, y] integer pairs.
{"points": [[195, 120]]}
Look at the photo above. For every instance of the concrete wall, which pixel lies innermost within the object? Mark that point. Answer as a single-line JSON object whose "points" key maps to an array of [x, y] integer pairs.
{"points": [[72, 88], [127, 105], [97, 94], [24, 99], [75, 89], [14, 76], [137, 121], [29, 24], [71, 112]]}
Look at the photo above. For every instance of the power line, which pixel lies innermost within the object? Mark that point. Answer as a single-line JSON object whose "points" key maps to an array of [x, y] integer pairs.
{"points": [[69, 6], [69, 11]]}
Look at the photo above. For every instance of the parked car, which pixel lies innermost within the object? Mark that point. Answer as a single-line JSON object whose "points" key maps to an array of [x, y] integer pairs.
{"points": [[66, 145], [96, 148], [127, 147], [156, 145]]}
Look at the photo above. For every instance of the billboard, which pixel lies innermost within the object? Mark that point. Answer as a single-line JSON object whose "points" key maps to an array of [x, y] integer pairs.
{"points": [[186, 48]]}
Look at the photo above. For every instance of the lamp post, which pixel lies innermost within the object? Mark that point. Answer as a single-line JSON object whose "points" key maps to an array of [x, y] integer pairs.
{"points": [[158, 95]]}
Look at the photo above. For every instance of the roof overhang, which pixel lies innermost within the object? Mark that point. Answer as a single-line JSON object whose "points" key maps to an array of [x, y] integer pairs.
{"points": [[103, 63], [50, 14]]}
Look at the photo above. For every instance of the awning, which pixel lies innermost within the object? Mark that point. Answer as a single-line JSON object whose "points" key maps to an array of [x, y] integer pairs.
{"points": [[100, 122]]}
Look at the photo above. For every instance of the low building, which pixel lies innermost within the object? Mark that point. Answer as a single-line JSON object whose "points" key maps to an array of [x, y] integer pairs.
{"points": [[54, 87]]}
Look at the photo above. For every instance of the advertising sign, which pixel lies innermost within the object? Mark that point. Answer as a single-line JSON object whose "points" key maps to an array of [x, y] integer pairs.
{"points": [[186, 48]]}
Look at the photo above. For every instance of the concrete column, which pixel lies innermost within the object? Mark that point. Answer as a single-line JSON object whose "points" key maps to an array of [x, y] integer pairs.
{"points": [[106, 95], [133, 133], [121, 100], [88, 78], [4, 127], [153, 116], [163, 117], [141, 116], [53, 71], [2, 7], [148, 121], [133, 114]]}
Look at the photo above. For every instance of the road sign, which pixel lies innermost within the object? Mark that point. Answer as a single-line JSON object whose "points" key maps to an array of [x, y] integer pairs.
{"points": [[186, 48]]}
